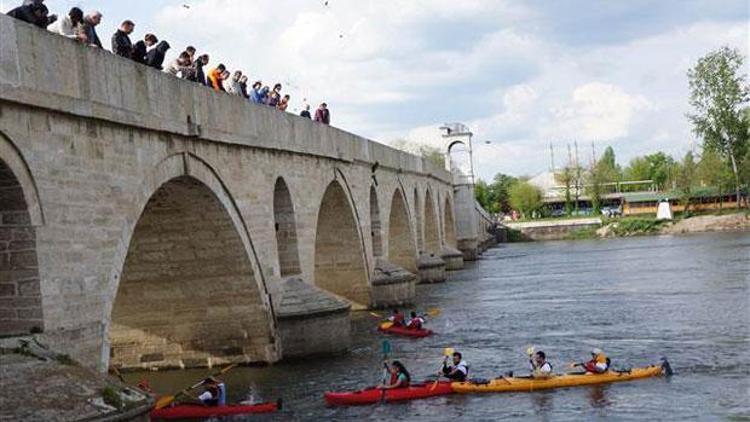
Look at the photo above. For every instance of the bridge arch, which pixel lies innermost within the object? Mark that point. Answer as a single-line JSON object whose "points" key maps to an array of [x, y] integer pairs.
{"points": [[285, 225], [431, 226], [20, 214], [402, 249], [339, 256], [449, 224], [376, 225], [189, 291]]}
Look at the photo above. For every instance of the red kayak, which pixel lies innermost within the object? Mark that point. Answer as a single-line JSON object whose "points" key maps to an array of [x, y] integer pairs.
{"points": [[374, 395], [403, 331], [194, 411]]}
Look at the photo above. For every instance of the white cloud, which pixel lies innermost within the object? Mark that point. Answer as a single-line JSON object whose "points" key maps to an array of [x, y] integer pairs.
{"points": [[596, 111], [400, 69]]}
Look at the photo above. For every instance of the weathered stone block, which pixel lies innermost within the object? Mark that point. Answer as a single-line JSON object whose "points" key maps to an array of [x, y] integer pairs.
{"points": [[454, 259], [392, 285], [431, 269]]}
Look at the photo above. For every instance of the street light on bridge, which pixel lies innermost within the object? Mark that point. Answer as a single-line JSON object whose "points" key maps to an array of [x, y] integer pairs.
{"points": [[459, 133]]}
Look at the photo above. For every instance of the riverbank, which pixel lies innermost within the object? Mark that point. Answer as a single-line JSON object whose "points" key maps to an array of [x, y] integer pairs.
{"points": [[40, 385], [592, 228]]}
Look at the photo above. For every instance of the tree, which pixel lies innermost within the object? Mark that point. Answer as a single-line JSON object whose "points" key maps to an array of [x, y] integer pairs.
{"points": [[526, 198], [719, 94], [483, 195], [685, 179], [638, 169], [657, 167], [565, 177], [610, 171], [713, 171], [501, 190]]}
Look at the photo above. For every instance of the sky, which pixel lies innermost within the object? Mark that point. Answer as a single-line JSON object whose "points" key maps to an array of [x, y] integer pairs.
{"points": [[522, 74]]}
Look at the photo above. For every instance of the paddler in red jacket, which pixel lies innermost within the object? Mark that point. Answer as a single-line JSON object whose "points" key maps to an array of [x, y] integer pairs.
{"points": [[598, 364], [400, 377], [416, 322], [397, 318]]}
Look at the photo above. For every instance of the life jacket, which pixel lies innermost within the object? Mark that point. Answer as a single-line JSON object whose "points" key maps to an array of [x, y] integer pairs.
{"points": [[416, 323], [394, 379], [543, 365], [461, 371]]}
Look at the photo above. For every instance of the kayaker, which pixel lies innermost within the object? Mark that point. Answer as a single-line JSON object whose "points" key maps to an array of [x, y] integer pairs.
{"points": [[416, 322], [215, 393], [539, 366], [598, 364], [397, 318], [400, 377], [459, 371]]}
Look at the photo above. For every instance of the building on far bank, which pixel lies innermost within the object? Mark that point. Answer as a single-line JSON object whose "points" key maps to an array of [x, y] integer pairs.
{"points": [[630, 197]]}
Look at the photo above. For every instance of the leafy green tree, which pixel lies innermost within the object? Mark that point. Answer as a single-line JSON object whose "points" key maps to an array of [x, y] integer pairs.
{"points": [[607, 166], [526, 198], [719, 94], [714, 171], [638, 169], [501, 191], [657, 167], [566, 177], [685, 179], [482, 195]]}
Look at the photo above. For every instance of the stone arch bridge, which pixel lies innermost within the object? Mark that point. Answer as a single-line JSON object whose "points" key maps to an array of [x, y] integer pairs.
{"points": [[147, 221]]}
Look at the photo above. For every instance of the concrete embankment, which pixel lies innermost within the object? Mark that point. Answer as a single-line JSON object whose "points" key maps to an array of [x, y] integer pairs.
{"points": [[553, 229], [40, 385]]}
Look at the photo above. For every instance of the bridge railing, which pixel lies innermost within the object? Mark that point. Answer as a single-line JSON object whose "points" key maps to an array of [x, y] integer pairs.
{"points": [[41, 69]]}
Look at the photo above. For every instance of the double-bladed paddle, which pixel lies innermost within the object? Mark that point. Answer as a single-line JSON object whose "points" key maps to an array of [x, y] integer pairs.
{"points": [[167, 400]]}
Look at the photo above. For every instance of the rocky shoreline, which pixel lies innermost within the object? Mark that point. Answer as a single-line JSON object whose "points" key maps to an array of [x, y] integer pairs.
{"points": [[699, 224], [41, 385]]}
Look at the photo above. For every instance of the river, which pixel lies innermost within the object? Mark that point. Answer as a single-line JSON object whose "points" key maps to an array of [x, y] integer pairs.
{"points": [[684, 297]]}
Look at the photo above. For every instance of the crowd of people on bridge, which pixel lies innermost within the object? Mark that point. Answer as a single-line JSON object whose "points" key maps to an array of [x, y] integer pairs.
{"points": [[150, 51]]}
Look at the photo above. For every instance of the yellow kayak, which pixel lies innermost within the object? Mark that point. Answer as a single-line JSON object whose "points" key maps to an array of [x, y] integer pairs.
{"points": [[502, 385]]}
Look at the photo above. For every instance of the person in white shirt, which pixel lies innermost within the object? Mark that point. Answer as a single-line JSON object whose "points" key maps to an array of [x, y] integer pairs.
{"points": [[67, 26], [539, 366], [458, 371], [215, 393]]}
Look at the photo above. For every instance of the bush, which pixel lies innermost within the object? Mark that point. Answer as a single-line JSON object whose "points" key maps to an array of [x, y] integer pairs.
{"points": [[636, 226], [583, 234], [515, 236], [112, 397]]}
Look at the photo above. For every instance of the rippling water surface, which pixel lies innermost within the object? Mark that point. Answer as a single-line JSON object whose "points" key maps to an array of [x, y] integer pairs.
{"points": [[684, 297]]}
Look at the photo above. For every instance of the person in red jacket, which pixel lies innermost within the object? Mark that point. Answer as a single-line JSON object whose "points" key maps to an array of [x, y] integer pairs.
{"points": [[322, 115], [416, 322], [397, 318]]}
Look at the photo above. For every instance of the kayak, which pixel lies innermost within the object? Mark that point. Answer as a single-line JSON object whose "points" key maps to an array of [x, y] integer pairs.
{"points": [[374, 395], [403, 331], [510, 384], [195, 411]]}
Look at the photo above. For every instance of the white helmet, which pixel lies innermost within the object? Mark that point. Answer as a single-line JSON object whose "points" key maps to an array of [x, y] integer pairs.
{"points": [[596, 351]]}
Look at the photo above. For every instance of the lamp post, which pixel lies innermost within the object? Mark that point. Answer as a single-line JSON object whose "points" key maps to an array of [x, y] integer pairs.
{"points": [[459, 133]]}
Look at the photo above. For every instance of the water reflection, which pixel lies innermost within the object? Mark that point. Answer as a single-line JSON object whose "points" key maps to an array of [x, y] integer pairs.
{"points": [[598, 396]]}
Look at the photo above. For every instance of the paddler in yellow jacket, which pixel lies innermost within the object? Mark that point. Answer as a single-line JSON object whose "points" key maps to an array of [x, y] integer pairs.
{"points": [[598, 364]]}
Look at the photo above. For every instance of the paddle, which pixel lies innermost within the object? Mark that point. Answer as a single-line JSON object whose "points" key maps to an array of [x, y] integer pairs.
{"points": [[386, 352], [167, 400], [447, 352]]}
